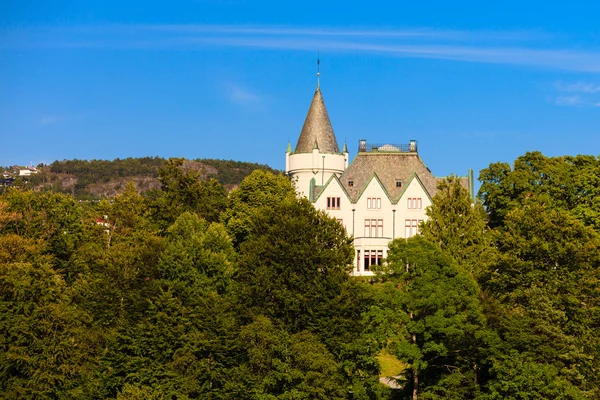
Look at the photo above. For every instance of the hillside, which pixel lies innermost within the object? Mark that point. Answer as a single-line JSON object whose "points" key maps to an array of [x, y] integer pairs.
{"points": [[104, 178]]}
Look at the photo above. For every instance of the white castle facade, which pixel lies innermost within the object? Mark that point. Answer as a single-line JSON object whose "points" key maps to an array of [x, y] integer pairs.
{"points": [[382, 195]]}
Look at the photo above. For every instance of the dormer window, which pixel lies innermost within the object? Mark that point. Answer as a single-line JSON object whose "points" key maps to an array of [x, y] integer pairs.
{"points": [[398, 183], [350, 183]]}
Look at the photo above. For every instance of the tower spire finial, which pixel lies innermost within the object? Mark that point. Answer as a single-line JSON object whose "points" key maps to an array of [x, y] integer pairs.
{"points": [[318, 68]]}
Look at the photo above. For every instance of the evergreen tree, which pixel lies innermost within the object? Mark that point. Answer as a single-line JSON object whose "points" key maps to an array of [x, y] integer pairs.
{"points": [[260, 190], [183, 190], [458, 226], [47, 349], [546, 281], [444, 338]]}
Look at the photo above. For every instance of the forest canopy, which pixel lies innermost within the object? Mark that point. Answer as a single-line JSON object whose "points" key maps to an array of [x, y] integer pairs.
{"points": [[188, 291]]}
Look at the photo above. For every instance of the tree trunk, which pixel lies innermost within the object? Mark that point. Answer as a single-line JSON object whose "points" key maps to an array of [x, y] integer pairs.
{"points": [[415, 375]]}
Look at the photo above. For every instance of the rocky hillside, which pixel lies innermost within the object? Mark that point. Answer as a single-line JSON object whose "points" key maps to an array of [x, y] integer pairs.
{"points": [[102, 178]]}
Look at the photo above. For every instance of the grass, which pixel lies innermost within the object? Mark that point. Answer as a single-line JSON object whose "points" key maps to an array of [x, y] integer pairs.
{"points": [[390, 365]]}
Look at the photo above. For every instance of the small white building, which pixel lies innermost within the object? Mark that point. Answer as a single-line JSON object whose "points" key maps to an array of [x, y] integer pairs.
{"points": [[382, 195], [27, 171]]}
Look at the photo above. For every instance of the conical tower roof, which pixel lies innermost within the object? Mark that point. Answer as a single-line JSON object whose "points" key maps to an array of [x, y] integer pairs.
{"points": [[317, 129]]}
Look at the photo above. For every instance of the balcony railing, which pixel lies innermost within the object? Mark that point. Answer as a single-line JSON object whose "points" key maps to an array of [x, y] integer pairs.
{"points": [[363, 146]]}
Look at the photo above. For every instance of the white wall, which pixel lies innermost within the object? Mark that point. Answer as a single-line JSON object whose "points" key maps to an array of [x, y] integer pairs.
{"points": [[305, 166], [393, 222]]}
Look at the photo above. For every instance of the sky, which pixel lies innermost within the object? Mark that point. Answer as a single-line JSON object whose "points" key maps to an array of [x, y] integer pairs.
{"points": [[473, 82]]}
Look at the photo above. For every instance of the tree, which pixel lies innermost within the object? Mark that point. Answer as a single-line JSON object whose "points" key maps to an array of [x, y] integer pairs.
{"points": [[293, 263], [546, 281], [444, 339], [52, 218], [184, 191], [177, 348], [260, 190], [569, 183], [47, 349], [519, 377], [293, 268], [458, 226], [285, 366], [198, 255]]}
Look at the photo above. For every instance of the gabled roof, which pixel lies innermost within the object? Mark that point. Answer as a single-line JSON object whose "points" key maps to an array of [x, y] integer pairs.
{"points": [[317, 191], [317, 129], [385, 169], [388, 167]]}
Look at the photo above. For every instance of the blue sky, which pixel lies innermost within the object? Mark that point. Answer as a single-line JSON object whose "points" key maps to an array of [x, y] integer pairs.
{"points": [[473, 82]]}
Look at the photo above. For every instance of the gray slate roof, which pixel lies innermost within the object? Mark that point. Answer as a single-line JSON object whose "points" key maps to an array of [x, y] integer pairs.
{"points": [[317, 128], [388, 167]]}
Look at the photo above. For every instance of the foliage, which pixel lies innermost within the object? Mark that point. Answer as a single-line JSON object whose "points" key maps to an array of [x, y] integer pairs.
{"points": [[188, 292], [458, 226], [285, 366], [444, 337], [569, 183], [46, 348], [184, 191], [82, 178], [546, 281], [260, 190]]}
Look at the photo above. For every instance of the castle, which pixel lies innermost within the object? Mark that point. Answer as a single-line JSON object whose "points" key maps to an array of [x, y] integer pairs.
{"points": [[382, 195]]}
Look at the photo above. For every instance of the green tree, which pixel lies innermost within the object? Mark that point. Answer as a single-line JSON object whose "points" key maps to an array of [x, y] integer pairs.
{"points": [[52, 218], [546, 281], [177, 348], [260, 190], [293, 268], [183, 190], [183, 342], [294, 262], [569, 183], [285, 366], [198, 255], [444, 338], [47, 350], [458, 226]]}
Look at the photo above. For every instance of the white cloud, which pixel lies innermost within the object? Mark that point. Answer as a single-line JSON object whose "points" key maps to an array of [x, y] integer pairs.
{"points": [[578, 87], [468, 46], [47, 120], [578, 94], [241, 95], [572, 101]]}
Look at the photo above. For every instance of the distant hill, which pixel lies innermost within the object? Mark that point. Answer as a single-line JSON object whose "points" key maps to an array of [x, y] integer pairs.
{"points": [[103, 178]]}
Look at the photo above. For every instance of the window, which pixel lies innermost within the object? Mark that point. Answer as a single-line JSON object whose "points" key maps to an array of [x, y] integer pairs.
{"points": [[373, 227], [398, 183], [350, 183], [414, 203], [358, 260], [411, 227], [374, 203], [372, 257], [333, 203]]}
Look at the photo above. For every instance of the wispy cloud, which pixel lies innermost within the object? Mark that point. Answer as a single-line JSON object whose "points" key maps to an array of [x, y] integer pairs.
{"points": [[577, 94], [241, 95], [571, 101], [526, 48], [578, 87], [47, 120]]}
